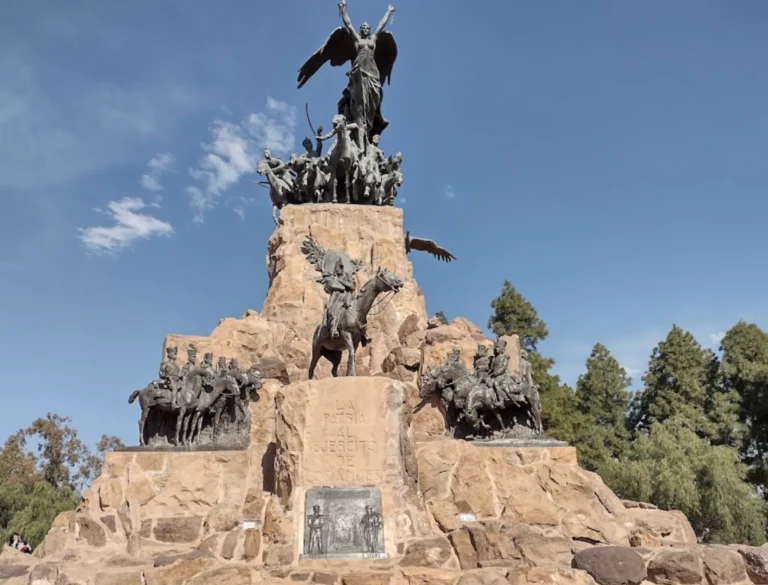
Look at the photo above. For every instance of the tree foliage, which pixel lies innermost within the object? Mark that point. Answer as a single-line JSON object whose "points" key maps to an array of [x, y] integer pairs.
{"points": [[440, 316], [43, 469], [603, 400], [673, 467], [514, 315]]}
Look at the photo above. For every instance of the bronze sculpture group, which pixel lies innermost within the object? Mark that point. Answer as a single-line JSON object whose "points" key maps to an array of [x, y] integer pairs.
{"points": [[177, 405], [355, 169], [486, 402], [345, 323]]}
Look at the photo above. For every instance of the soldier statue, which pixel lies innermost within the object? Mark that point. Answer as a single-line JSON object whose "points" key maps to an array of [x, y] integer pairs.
{"points": [[371, 524], [170, 374]]}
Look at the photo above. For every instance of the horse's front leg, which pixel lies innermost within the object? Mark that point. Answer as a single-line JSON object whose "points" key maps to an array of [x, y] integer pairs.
{"points": [[351, 369], [142, 422], [334, 182], [179, 421]]}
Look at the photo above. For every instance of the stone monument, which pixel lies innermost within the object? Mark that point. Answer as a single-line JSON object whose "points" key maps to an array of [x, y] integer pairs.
{"points": [[285, 473]]}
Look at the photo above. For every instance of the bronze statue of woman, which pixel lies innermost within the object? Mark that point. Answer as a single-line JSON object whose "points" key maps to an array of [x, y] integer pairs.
{"points": [[373, 55]]}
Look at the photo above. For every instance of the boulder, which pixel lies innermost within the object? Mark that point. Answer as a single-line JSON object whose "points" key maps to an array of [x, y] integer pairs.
{"points": [[611, 565], [672, 567], [756, 561]]}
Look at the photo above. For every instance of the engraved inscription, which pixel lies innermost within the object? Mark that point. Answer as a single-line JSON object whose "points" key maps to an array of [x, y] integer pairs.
{"points": [[345, 444], [343, 522]]}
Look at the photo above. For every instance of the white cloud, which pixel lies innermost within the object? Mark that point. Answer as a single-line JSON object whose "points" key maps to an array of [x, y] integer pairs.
{"points": [[235, 149], [157, 166], [716, 338], [402, 200], [449, 192], [632, 372], [129, 227]]}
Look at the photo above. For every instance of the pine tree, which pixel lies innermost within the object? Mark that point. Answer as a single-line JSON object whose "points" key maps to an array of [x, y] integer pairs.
{"points": [[744, 371], [603, 399], [677, 383], [515, 315], [440, 316]]}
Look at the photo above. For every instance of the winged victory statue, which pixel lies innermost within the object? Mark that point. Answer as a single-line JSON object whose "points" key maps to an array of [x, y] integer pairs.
{"points": [[373, 55]]}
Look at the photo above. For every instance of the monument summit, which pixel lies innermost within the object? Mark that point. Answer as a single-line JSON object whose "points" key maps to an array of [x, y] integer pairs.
{"points": [[339, 436]]}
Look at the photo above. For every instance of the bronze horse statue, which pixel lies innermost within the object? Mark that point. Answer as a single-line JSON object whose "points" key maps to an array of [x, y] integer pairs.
{"points": [[351, 324]]}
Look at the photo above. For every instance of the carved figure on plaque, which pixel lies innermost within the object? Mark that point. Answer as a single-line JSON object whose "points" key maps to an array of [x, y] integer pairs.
{"points": [[315, 525], [371, 523], [486, 402], [345, 322]]}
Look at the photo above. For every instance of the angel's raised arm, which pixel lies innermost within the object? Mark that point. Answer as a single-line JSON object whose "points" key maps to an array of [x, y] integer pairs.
{"points": [[385, 21], [345, 18]]}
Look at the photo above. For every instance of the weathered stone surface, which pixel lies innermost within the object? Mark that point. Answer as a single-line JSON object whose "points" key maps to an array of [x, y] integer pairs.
{"points": [[230, 542], [670, 567], [446, 514], [483, 577], [549, 576], [185, 529], [611, 565], [223, 576], [366, 579], [126, 560], [670, 527], [465, 551], [124, 578], [179, 572], [109, 522], [756, 561], [251, 545], [9, 571], [722, 566], [430, 552], [91, 531], [420, 576], [325, 578], [193, 555], [44, 574]]}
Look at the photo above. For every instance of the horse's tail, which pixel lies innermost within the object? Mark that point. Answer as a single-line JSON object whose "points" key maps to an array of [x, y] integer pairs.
{"points": [[133, 396]]}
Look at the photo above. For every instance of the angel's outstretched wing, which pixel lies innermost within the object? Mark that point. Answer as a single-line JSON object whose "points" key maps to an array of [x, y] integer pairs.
{"points": [[314, 253], [385, 55], [338, 49], [430, 246]]}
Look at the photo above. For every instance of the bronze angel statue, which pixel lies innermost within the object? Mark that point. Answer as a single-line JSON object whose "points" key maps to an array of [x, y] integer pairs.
{"points": [[373, 55]]}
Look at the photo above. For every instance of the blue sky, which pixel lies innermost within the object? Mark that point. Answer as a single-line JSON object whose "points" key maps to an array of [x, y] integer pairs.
{"points": [[608, 158]]}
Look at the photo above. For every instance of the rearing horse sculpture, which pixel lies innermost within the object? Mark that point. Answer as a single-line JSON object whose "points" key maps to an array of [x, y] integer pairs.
{"points": [[343, 156], [351, 324], [279, 190]]}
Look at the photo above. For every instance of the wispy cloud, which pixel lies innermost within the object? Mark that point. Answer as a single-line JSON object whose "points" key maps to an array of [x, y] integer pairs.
{"points": [[449, 192], [157, 166], [235, 149], [632, 372], [716, 338], [129, 226]]}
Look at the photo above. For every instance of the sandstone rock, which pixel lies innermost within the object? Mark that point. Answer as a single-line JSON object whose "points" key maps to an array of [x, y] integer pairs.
{"points": [[549, 576], [223, 518], [126, 560], [179, 572], [184, 529], [366, 579], [9, 571], [670, 567], [193, 555], [210, 545], [513, 353], [641, 537], [278, 555], [670, 527], [756, 561], [465, 551], [230, 542], [254, 504], [252, 545], [543, 551], [109, 522], [223, 576], [125, 578], [91, 531], [722, 566], [430, 552], [110, 493], [611, 565], [445, 514], [44, 574], [325, 578], [419, 576], [483, 577]]}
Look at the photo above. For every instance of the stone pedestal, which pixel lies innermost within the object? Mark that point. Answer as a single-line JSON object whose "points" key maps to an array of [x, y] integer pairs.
{"points": [[349, 433]]}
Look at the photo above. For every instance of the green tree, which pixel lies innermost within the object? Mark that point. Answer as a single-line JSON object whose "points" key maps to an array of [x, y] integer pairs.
{"points": [[677, 383], [672, 467], [514, 315], [35, 488], [603, 399], [440, 316], [744, 371]]}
